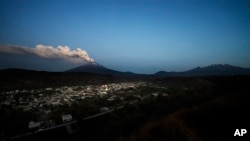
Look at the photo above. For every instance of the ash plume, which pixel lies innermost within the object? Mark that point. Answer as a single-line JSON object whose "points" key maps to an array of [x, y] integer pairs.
{"points": [[63, 52]]}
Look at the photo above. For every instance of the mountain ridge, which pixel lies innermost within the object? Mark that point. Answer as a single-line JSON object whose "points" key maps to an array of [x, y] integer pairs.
{"points": [[214, 69]]}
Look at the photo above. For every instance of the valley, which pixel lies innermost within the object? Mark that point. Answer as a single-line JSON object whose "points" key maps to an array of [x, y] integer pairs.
{"points": [[118, 108]]}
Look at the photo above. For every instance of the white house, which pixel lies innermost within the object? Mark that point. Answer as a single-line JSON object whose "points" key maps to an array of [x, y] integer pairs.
{"points": [[111, 99], [33, 124], [155, 94], [56, 103], [49, 89], [133, 102], [66, 118], [47, 111], [104, 109]]}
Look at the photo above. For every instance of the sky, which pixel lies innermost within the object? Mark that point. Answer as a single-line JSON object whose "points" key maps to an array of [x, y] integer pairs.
{"points": [[141, 36]]}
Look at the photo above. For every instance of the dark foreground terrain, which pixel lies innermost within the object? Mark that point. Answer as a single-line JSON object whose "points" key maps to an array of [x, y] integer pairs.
{"points": [[178, 109]]}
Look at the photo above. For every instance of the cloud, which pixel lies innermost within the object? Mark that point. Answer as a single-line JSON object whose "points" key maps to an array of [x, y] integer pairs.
{"points": [[63, 52]]}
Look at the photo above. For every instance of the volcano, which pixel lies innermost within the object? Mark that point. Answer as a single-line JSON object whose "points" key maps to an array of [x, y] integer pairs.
{"points": [[94, 67]]}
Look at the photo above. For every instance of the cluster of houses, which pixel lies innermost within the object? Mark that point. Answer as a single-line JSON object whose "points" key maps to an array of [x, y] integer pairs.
{"points": [[39, 125], [30, 99], [41, 99]]}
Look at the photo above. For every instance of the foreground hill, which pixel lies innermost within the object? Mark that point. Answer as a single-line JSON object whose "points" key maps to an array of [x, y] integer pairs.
{"points": [[210, 113]]}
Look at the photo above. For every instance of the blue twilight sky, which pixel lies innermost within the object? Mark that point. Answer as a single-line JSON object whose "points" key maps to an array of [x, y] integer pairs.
{"points": [[142, 36]]}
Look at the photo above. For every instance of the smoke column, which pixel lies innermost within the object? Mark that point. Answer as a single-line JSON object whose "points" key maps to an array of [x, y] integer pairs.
{"points": [[63, 52]]}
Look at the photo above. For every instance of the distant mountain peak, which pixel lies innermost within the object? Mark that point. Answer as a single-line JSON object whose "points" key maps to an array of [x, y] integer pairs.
{"points": [[221, 65], [215, 65], [214, 69]]}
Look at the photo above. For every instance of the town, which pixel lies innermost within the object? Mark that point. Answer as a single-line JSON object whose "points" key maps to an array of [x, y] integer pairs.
{"points": [[31, 99], [54, 106], [122, 110]]}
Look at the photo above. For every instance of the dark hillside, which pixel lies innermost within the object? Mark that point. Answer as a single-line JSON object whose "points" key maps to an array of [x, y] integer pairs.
{"points": [[216, 118], [28, 79]]}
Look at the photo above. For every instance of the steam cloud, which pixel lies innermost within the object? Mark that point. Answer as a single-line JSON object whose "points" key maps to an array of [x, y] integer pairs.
{"points": [[63, 52]]}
